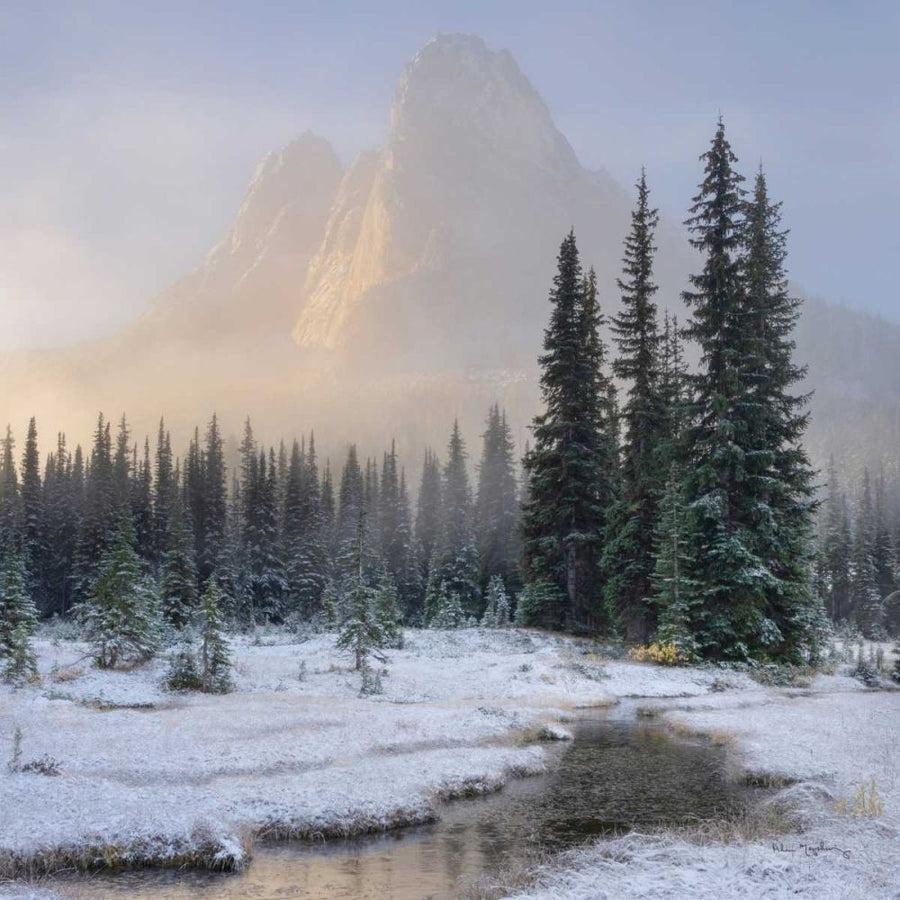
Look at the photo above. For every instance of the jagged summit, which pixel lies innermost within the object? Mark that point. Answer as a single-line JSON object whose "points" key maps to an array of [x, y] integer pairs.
{"points": [[457, 82], [474, 180], [251, 278], [299, 179]]}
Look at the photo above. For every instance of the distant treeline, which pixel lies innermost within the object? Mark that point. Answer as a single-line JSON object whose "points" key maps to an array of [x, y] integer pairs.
{"points": [[272, 534]]}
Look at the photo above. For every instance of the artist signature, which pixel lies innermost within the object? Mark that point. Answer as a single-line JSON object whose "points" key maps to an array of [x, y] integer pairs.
{"points": [[810, 849]]}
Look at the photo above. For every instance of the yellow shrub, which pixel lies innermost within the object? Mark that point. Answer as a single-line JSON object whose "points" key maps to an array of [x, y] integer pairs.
{"points": [[867, 804], [661, 654]]}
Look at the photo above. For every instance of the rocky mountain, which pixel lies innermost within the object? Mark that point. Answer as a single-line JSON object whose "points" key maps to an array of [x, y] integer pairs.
{"points": [[387, 299], [453, 238]]}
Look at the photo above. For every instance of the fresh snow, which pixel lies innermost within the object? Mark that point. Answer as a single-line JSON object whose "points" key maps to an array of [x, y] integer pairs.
{"points": [[157, 774]]}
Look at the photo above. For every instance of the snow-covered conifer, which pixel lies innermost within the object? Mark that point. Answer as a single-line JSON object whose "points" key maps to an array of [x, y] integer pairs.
{"points": [[215, 655], [121, 615], [18, 621], [496, 612]]}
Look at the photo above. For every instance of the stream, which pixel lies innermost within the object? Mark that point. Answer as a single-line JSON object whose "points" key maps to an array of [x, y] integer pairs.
{"points": [[618, 774]]}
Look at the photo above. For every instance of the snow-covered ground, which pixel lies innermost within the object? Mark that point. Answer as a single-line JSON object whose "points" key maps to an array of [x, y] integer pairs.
{"points": [[149, 775]]}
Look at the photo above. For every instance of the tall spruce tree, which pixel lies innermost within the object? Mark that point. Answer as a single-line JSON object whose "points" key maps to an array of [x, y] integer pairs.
{"points": [[214, 493], [10, 499], [351, 508], [497, 505], [780, 476], [836, 548], [164, 491], [428, 512], [672, 585], [397, 545], [865, 597], [629, 554], [100, 512], [456, 556], [178, 581], [304, 542], [727, 606], [571, 468], [215, 655], [61, 512], [18, 621]]}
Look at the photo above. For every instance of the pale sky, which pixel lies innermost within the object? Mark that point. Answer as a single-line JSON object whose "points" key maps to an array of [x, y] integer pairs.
{"points": [[130, 130]]}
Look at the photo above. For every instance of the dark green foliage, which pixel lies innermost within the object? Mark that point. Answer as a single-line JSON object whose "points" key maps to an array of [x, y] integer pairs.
{"points": [[183, 673], [496, 609], [18, 621], [629, 537], [62, 512], [456, 555], [206, 492], [141, 493], [120, 614], [10, 500], [398, 550], [387, 611], [448, 609], [361, 629], [215, 655], [428, 513], [731, 580], [865, 596], [165, 491], [541, 604], [781, 479], [178, 579], [497, 505], [835, 554], [674, 590], [100, 514], [351, 504], [572, 469], [748, 484], [264, 580], [32, 505], [304, 532]]}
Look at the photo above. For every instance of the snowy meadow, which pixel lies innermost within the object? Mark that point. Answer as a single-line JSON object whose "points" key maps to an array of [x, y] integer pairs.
{"points": [[109, 769]]}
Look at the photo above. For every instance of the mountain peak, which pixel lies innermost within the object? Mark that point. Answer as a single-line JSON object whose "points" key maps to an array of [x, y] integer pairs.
{"points": [[305, 171], [457, 89]]}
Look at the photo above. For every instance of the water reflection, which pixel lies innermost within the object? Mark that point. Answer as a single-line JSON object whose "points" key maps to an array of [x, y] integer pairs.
{"points": [[616, 776]]}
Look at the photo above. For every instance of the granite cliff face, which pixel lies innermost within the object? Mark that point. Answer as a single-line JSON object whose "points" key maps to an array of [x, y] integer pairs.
{"points": [[458, 220], [248, 283], [387, 299]]}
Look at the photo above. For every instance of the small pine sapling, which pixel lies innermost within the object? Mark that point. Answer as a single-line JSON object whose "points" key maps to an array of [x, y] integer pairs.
{"points": [[183, 673], [215, 656], [496, 612], [362, 633], [121, 613], [449, 612]]}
